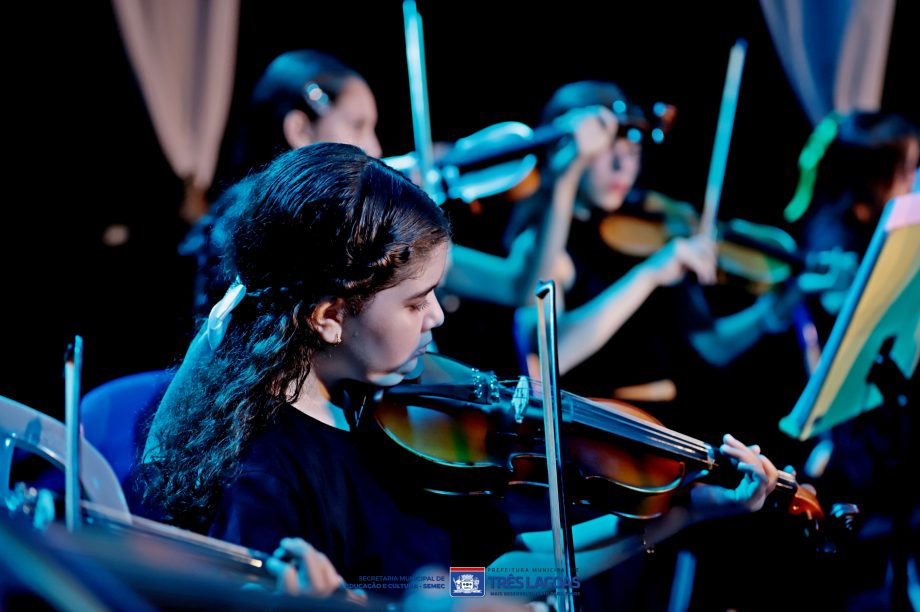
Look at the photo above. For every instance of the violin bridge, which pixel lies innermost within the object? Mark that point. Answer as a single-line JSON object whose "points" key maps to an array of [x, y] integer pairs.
{"points": [[521, 399]]}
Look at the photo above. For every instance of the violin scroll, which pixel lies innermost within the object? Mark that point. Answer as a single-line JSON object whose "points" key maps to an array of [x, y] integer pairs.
{"points": [[633, 120], [825, 531], [841, 525]]}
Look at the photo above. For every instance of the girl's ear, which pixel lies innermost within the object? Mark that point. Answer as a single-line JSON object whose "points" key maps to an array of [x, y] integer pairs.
{"points": [[328, 319], [298, 129]]}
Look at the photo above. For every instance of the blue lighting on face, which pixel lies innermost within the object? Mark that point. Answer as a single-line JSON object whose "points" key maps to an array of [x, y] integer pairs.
{"points": [[634, 135], [657, 135]]}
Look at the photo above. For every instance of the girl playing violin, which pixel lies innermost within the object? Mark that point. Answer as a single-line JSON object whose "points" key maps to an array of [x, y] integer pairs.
{"points": [[627, 321], [336, 257]]}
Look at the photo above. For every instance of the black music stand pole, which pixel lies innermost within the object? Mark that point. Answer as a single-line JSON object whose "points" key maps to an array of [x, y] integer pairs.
{"points": [[893, 385]]}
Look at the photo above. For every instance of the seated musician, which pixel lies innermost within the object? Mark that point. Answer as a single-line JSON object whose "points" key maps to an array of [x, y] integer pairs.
{"points": [[337, 258]]}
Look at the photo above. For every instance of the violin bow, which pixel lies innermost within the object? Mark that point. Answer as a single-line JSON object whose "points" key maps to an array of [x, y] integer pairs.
{"points": [[418, 94], [723, 138], [804, 324], [563, 547]]}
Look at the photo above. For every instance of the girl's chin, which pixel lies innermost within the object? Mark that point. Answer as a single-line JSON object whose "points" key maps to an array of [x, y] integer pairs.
{"points": [[416, 369], [611, 203], [410, 369], [386, 380]]}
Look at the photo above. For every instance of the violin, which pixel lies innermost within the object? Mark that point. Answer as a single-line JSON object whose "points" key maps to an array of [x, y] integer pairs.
{"points": [[761, 255], [460, 431], [500, 159]]}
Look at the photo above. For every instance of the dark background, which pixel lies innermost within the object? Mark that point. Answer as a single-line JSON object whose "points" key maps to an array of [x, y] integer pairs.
{"points": [[81, 153]]}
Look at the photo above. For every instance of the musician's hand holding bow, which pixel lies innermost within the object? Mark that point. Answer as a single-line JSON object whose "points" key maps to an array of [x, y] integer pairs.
{"points": [[303, 570], [593, 130], [680, 255]]}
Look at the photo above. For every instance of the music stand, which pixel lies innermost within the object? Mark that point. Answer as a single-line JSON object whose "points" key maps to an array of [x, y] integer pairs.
{"points": [[875, 342], [871, 356]]}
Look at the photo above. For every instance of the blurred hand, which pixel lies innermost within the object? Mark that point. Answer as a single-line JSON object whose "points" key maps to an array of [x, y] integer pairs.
{"points": [[593, 130], [697, 254], [836, 270], [309, 572]]}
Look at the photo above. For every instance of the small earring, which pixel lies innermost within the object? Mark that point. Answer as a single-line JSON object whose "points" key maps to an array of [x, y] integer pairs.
{"points": [[338, 339]]}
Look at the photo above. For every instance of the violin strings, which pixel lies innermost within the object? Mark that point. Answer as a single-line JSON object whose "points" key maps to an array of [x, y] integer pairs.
{"points": [[665, 438], [583, 410]]}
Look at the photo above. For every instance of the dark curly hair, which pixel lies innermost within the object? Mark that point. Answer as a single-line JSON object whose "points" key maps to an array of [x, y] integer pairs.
{"points": [[260, 137], [322, 220]]}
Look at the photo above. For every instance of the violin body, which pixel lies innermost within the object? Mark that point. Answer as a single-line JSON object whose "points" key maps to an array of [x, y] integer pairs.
{"points": [[468, 450], [760, 255], [641, 229], [458, 431]]}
